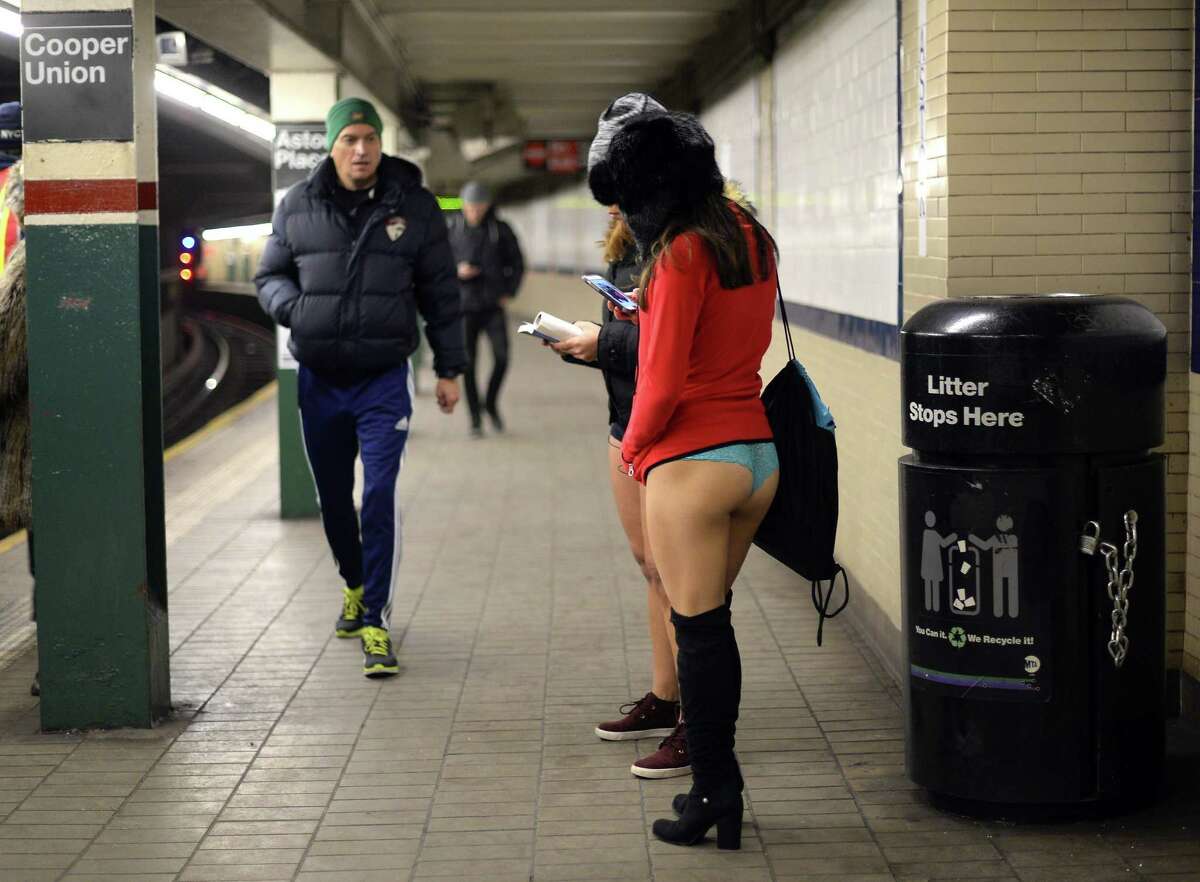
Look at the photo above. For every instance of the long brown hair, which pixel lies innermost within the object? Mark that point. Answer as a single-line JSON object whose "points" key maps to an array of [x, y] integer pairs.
{"points": [[719, 223], [618, 241]]}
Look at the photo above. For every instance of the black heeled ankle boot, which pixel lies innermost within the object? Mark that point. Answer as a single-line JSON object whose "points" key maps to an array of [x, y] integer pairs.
{"points": [[710, 681], [701, 814]]}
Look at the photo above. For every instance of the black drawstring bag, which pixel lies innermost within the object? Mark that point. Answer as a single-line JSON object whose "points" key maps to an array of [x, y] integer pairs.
{"points": [[801, 526]]}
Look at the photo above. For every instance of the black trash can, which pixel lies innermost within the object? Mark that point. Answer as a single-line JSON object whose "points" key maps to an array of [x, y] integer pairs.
{"points": [[1031, 421]]}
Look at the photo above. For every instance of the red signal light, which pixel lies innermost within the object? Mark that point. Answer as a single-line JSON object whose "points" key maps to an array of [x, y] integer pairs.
{"points": [[186, 258], [186, 274]]}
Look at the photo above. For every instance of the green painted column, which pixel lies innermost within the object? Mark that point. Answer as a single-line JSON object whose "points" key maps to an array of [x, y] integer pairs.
{"points": [[297, 493], [92, 240], [298, 147]]}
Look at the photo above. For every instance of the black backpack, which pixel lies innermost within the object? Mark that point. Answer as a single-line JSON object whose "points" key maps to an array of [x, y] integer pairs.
{"points": [[801, 525]]}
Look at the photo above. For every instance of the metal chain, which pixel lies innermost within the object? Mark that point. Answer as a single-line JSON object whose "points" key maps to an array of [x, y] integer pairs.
{"points": [[1120, 583]]}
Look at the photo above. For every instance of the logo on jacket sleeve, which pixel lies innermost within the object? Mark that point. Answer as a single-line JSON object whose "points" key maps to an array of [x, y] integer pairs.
{"points": [[395, 227]]}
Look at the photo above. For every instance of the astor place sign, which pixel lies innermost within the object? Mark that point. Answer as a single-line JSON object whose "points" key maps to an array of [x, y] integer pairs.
{"points": [[77, 76]]}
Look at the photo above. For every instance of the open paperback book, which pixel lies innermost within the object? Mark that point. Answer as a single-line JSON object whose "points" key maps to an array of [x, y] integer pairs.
{"points": [[549, 327]]}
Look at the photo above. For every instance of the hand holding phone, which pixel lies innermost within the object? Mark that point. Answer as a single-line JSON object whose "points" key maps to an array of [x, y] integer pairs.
{"points": [[626, 315], [611, 293]]}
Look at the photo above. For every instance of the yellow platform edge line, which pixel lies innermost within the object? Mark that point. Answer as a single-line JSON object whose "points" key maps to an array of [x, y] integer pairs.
{"points": [[217, 423], [211, 427], [8, 543]]}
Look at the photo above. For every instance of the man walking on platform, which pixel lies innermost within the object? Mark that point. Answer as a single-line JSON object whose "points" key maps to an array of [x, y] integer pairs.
{"points": [[490, 267], [355, 252]]}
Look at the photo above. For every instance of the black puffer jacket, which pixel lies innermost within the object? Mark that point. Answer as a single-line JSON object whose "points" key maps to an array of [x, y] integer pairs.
{"points": [[617, 349], [492, 246], [352, 302]]}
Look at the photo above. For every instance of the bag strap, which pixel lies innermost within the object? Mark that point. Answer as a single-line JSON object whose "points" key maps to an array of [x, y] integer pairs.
{"points": [[787, 328], [821, 598]]}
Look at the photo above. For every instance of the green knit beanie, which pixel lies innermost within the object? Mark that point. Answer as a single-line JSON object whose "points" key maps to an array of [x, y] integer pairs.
{"points": [[350, 112]]}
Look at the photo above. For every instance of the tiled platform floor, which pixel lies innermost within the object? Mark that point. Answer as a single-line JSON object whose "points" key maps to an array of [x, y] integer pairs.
{"points": [[522, 618]]}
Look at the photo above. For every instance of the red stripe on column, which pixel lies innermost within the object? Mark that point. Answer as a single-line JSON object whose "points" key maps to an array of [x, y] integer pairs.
{"points": [[147, 195], [81, 197]]}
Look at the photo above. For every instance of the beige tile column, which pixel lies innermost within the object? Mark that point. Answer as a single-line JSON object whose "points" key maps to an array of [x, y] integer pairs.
{"points": [[1058, 150]]}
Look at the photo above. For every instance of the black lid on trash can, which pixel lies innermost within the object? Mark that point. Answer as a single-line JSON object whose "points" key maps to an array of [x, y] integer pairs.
{"points": [[1045, 374]]}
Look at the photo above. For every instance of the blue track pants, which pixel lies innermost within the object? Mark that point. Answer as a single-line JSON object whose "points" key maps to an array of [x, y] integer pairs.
{"points": [[340, 421]]}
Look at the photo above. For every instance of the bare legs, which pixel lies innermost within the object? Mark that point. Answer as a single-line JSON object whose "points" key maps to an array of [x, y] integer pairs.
{"points": [[701, 518], [629, 497]]}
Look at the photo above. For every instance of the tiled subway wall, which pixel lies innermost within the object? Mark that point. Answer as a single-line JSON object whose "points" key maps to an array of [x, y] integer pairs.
{"points": [[1052, 152], [733, 122], [1068, 158], [560, 232], [835, 122]]}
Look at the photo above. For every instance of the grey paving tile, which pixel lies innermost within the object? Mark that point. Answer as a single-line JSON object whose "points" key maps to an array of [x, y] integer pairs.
{"points": [[398, 862], [239, 857], [357, 846], [715, 874], [601, 871], [242, 873], [127, 866], [497, 869], [1074, 873], [14, 864], [369, 830], [136, 834], [960, 870]]}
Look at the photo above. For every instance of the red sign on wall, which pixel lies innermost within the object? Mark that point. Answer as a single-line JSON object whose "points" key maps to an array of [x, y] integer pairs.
{"points": [[562, 157], [556, 157], [534, 154]]}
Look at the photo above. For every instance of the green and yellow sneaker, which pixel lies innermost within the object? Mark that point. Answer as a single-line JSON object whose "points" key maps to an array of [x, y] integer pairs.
{"points": [[350, 624], [378, 660]]}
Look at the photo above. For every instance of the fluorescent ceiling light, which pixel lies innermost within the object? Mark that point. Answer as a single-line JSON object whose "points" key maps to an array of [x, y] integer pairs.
{"points": [[249, 231], [10, 22], [214, 102]]}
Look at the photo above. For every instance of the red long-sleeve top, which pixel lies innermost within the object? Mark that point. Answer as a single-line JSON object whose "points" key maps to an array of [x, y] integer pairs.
{"points": [[699, 353]]}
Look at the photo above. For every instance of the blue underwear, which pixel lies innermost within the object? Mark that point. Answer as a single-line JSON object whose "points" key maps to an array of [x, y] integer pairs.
{"points": [[760, 458]]}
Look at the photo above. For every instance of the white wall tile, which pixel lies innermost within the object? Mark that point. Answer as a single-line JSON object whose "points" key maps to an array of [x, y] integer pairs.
{"points": [[838, 163]]}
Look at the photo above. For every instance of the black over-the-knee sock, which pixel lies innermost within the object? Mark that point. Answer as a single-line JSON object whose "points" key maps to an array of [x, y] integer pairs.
{"points": [[710, 685]]}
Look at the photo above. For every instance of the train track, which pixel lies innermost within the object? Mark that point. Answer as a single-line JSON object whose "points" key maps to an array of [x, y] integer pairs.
{"points": [[226, 359]]}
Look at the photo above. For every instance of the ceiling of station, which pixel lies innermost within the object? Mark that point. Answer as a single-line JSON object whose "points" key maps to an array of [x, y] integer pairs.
{"points": [[484, 74], [554, 64], [521, 68], [248, 30]]}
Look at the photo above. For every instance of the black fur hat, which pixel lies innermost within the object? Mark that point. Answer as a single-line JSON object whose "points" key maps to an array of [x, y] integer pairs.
{"points": [[661, 165], [611, 121]]}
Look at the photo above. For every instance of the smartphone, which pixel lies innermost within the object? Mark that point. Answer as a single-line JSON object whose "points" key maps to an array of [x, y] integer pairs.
{"points": [[611, 293]]}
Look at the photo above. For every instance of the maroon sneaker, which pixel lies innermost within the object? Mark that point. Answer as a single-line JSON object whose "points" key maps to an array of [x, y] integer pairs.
{"points": [[670, 760], [651, 717]]}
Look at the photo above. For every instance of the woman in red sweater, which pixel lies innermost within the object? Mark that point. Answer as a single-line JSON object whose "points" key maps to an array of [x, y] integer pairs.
{"points": [[698, 436]]}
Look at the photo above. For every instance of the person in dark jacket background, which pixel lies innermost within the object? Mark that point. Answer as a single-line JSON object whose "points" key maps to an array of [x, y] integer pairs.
{"points": [[490, 267], [355, 252]]}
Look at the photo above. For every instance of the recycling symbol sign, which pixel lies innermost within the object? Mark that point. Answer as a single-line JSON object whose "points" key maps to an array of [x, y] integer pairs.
{"points": [[957, 637]]}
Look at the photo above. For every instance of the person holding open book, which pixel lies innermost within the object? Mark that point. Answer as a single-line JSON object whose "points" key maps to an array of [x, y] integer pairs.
{"points": [[613, 347], [698, 437]]}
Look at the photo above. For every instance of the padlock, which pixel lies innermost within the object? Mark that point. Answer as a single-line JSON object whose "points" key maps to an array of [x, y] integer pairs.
{"points": [[1090, 538]]}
